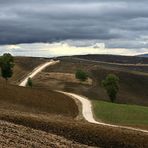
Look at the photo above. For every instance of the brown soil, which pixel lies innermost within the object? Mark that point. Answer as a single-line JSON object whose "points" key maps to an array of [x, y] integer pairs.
{"points": [[81, 132], [12, 135]]}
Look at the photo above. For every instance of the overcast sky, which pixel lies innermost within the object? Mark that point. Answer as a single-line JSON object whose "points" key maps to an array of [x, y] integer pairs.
{"points": [[118, 24]]}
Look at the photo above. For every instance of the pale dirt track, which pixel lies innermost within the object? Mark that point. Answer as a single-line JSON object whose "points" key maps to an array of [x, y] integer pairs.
{"points": [[36, 71], [88, 114], [86, 104]]}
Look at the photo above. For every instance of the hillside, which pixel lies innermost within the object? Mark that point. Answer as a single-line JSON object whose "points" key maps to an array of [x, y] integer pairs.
{"points": [[13, 135], [23, 66], [143, 55], [115, 59], [47, 111], [37, 109], [81, 132], [14, 98], [131, 81]]}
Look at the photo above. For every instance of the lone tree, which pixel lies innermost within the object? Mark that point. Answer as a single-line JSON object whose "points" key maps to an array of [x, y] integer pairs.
{"points": [[111, 84], [29, 82], [81, 75], [6, 65]]}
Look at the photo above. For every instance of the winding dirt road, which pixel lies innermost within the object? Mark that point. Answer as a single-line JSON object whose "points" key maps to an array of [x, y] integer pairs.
{"points": [[37, 70], [88, 114], [86, 104]]}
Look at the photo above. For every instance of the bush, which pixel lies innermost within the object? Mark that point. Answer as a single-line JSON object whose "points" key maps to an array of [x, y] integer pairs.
{"points": [[29, 82], [81, 75]]}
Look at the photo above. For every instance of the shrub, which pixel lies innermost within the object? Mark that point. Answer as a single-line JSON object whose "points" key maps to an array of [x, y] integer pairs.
{"points": [[81, 75], [29, 82]]}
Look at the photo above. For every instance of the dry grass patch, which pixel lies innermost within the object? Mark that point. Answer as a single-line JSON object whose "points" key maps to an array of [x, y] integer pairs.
{"points": [[66, 77]]}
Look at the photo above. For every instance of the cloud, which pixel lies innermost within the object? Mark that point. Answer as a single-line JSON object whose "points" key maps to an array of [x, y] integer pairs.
{"points": [[64, 49], [12, 47], [116, 23]]}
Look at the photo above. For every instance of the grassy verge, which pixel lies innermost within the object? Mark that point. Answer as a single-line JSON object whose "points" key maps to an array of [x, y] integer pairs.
{"points": [[120, 114]]}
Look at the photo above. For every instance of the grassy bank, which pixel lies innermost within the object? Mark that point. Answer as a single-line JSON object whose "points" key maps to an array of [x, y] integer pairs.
{"points": [[121, 114]]}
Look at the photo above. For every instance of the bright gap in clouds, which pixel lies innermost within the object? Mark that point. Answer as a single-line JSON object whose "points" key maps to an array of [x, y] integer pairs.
{"points": [[64, 48]]}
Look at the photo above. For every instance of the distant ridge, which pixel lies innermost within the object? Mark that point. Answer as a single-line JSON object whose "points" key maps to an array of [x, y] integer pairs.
{"points": [[143, 55], [115, 58]]}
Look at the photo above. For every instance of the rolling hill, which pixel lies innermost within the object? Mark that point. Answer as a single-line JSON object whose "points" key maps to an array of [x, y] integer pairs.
{"points": [[143, 55], [18, 99], [48, 113], [132, 79], [114, 59]]}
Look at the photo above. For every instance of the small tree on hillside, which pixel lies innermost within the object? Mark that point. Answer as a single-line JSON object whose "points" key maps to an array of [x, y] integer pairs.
{"points": [[81, 75], [29, 82], [6, 65], [111, 84]]}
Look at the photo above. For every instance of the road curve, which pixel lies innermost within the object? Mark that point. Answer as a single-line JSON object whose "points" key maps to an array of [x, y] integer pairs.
{"points": [[88, 114], [86, 103], [36, 71]]}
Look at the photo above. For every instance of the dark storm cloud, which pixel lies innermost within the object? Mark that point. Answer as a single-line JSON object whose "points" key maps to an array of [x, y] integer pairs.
{"points": [[117, 23]]}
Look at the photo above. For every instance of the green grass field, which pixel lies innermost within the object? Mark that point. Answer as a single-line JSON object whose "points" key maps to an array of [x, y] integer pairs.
{"points": [[120, 114]]}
